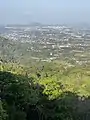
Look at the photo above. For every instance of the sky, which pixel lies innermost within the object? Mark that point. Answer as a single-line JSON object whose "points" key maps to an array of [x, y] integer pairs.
{"points": [[44, 11]]}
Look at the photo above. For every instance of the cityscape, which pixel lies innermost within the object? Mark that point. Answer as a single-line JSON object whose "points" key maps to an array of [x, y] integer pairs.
{"points": [[51, 42], [44, 59]]}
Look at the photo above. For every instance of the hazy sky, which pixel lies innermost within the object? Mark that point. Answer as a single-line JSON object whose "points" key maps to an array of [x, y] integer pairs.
{"points": [[44, 11]]}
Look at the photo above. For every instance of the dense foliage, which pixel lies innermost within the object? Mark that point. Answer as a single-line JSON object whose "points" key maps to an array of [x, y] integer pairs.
{"points": [[44, 91]]}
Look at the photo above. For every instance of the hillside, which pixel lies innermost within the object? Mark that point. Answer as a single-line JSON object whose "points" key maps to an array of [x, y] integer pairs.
{"points": [[41, 90]]}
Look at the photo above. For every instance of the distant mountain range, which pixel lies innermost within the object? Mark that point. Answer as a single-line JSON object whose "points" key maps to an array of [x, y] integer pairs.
{"points": [[79, 25]]}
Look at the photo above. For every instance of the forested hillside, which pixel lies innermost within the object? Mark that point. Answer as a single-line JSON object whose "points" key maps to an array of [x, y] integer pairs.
{"points": [[38, 90]]}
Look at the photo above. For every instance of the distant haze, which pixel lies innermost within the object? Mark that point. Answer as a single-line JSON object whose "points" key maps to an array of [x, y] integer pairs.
{"points": [[44, 11]]}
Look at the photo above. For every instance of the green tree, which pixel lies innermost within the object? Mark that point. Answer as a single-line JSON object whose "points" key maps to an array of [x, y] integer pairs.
{"points": [[3, 114]]}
